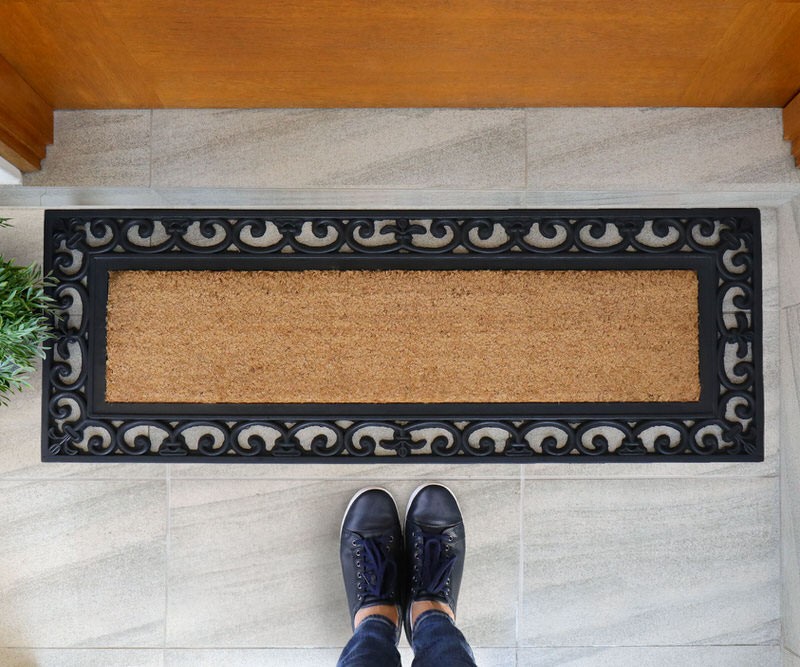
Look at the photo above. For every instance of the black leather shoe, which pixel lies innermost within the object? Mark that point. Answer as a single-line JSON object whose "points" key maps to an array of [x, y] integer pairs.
{"points": [[435, 547], [370, 550]]}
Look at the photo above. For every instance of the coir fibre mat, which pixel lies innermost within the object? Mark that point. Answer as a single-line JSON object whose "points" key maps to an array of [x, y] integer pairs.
{"points": [[402, 336]]}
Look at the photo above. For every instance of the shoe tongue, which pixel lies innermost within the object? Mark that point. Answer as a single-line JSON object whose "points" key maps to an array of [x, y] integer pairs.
{"points": [[379, 568], [436, 528], [436, 566]]}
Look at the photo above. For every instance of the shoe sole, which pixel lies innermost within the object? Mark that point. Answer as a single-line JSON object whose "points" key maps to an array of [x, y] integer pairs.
{"points": [[357, 496], [423, 486]]}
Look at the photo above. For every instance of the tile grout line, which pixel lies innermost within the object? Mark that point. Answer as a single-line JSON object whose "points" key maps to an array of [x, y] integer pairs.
{"points": [[781, 399], [521, 564], [150, 157], [414, 479], [167, 553], [433, 190], [786, 366], [527, 150], [339, 647], [273, 478], [781, 371], [781, 620]]}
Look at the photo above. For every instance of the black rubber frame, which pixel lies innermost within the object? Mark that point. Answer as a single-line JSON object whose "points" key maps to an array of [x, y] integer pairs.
{"points": [[721, 245]]}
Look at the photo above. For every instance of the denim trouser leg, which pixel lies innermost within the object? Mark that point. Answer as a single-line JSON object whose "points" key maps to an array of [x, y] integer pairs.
{"points": [[437, 642], [372, 645]]}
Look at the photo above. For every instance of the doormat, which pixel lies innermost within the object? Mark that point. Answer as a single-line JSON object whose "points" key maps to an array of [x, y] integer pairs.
{"points": [[350, 336]]}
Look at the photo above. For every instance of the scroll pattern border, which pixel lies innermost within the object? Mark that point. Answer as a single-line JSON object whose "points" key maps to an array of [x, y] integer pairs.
{"points": [[731, 237]]}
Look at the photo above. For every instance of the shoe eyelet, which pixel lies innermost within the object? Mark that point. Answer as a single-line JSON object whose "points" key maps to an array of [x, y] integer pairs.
{"points": [[358, 575], [358, 552], [359, 597], [354, 543]]}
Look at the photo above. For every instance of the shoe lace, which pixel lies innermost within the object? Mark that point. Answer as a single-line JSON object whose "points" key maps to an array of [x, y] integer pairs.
{"points": [[437, 564], [378, 570]]}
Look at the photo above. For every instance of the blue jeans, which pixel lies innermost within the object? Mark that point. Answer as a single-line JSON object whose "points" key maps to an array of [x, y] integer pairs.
{"points": [[437, 642]]}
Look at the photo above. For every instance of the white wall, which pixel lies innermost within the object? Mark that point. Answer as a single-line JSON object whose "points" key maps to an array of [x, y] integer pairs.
{"points": [[9, 174]]}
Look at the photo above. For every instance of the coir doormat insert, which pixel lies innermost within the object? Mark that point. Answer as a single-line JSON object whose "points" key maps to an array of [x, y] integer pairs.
{"points": [[415, 336], [401, 336]]}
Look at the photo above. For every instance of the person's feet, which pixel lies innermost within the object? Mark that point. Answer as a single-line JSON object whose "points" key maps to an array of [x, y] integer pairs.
{"points": [[370, 551], [435, 549]]}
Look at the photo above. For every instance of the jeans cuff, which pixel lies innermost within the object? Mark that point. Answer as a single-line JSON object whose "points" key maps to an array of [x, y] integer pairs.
{"points": [[380, 618], [430, 613]]}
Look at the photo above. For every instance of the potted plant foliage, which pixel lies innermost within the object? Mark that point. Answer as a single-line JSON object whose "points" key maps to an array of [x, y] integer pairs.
{"points": [[24, 322]]}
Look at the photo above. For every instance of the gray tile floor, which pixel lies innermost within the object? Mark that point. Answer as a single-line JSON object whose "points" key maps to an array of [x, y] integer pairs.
{"points": [[237, 565]]}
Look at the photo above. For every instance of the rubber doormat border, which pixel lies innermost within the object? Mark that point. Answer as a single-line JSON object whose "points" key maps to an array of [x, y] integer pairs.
{"points": [[721, 245]]}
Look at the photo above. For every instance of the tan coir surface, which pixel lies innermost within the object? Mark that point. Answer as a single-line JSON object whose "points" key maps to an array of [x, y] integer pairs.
{"points": [[401, 336]]}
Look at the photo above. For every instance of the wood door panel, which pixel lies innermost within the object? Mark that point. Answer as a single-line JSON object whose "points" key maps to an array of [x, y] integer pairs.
{"points": [[330, 53]]}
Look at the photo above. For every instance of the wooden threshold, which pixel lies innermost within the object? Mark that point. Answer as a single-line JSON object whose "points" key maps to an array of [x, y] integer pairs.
{"points": [[26, 121]]}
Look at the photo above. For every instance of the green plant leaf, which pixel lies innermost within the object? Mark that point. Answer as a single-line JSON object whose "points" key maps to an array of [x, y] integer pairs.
{"points": [[25, 316]]}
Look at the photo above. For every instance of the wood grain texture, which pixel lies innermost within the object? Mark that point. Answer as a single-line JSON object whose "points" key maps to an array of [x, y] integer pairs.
{"points": [[377, 53], [26, 121], [791, 126], [760, 50]]}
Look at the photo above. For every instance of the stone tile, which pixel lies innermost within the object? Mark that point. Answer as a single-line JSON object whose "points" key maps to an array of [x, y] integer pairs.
{"points": [[788, 252], [105, 148], [271, 548], [594, 149], [18, 195], [772, 395], [349, 198], [24, 239], [375, 198], [688, 196], [790, 659], [297, 148], [82, 564], [485, 657], [262, 549], [650, 562], [81, 657], [770, 280], [790, 475], [288, 198], [652, 656], [349, 471], [104, 197], [251, 657], [301, 657]]}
